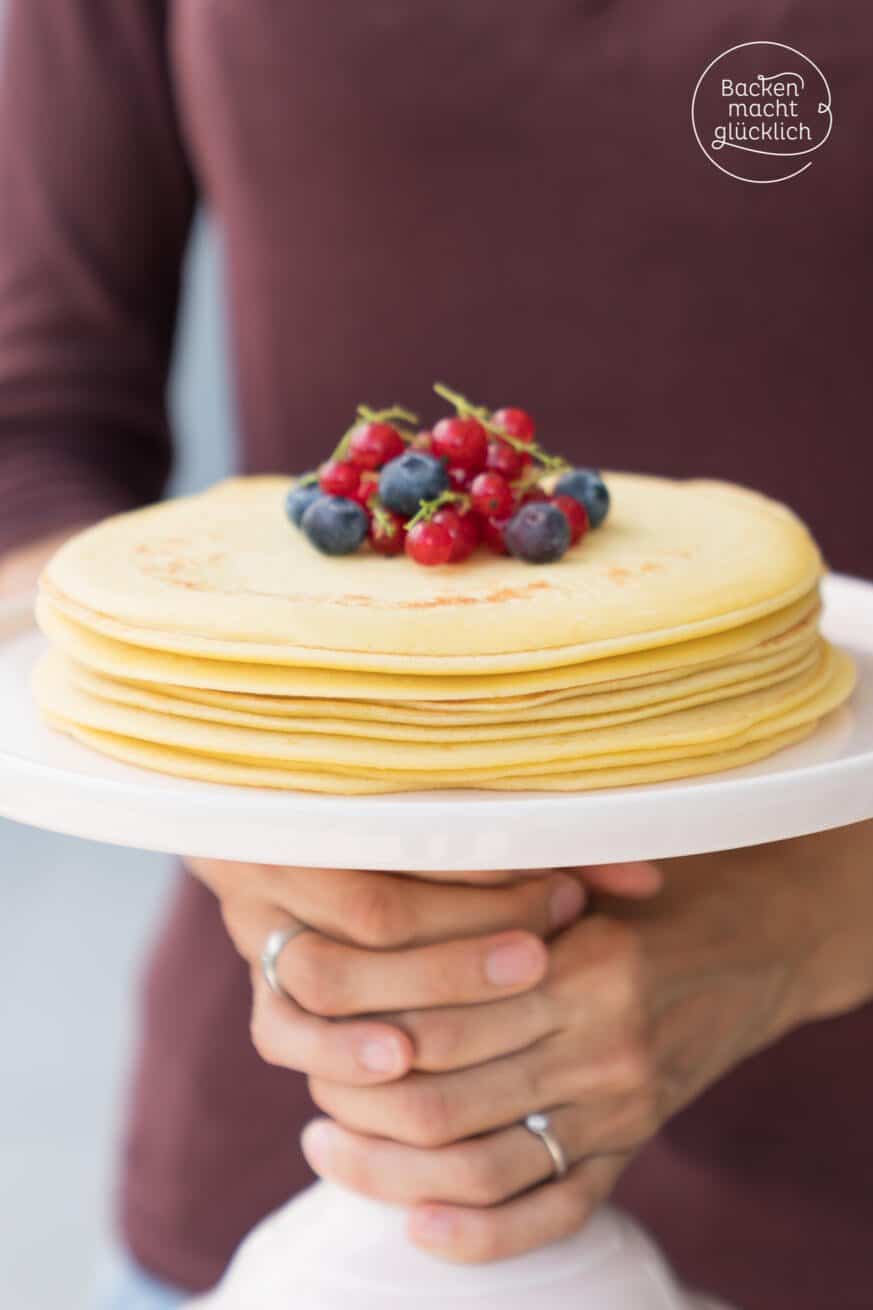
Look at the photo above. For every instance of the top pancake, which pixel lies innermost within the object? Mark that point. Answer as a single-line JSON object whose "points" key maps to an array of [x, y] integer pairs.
{"points": [[225, 576]]}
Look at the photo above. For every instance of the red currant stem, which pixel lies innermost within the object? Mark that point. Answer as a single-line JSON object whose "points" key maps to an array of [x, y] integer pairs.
{"points": [[387, 415], [484, 416], [428, 508], [530, 478], [383, 519], [342, 448], [461, 403], [307, 480]]}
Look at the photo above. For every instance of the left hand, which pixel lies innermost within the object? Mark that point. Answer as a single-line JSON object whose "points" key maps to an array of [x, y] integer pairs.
{"points": [[644, 1006]]}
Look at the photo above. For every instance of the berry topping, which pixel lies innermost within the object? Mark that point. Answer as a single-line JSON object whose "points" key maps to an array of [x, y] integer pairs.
{"points": [[339, 477], [476, 476], [493, 535], [410, 479], [334, 525], [577, 516], [368, 489], [515, 422], [460, 479], [373, 444], [506, 461], [538, 533], [300, 497], [463, 529], [588, 487], [492, 495], [386, 531], [429, 543], [461, 442]]}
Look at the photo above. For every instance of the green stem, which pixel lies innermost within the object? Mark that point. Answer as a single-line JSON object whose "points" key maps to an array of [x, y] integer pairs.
{"points": [[428, 508]]}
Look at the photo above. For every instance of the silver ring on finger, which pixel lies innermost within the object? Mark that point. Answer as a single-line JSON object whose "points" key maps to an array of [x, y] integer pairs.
{"points": [[273, 948], [541, 1126]]}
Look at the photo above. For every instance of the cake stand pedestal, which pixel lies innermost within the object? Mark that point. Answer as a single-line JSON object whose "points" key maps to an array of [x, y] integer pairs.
{"points": [[329, 1249]]}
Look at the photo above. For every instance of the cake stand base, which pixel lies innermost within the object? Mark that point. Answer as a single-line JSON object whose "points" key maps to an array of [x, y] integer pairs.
{"points": [[332, 1250]]}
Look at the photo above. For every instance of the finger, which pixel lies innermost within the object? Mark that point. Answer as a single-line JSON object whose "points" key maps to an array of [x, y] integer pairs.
{"points": [[333, 980], [359, 1053], [485, 1170], [384, 910], [636, 880], [455, 1037], [557, 1209], [431, 1110]]}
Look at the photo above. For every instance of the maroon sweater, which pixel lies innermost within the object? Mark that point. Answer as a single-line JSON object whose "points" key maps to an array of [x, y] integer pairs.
{"points": [[509, 196]]}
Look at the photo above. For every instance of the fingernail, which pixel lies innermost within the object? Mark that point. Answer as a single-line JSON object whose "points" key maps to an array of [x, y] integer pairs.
{"points": [[437, 1226], [514, 962], [566, 901], [318, 1140], [380, 1057]]}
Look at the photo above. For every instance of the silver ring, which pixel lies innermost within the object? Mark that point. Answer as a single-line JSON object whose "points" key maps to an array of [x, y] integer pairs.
{"points": [[273, 948], [540, 1125]]}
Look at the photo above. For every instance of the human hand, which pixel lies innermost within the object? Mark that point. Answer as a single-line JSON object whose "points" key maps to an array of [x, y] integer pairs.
{"points": [[20, 569], [643, 1007], [379, 941]]}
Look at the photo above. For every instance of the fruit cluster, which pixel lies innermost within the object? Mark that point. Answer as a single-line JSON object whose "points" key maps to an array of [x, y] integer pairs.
{"points": [[474, 477]]}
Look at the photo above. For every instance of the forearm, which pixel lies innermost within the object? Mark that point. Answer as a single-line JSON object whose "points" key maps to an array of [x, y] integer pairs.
{"points": [[835, 870]]}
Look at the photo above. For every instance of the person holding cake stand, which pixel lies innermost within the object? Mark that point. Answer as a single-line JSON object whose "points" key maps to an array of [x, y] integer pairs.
{"points": [[506, 195]]}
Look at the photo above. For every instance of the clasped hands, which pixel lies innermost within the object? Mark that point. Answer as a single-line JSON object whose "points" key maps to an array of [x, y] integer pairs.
{"points": [[431, 1017]]}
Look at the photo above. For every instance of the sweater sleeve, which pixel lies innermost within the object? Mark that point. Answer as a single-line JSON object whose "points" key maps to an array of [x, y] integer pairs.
{"points": [[96, 201]]}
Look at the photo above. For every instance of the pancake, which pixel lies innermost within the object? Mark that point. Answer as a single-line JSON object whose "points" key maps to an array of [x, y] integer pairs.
{"points": [[207, 639], [386, 722], [727, 724], [224, 576], [789, 627], [146, 755]]}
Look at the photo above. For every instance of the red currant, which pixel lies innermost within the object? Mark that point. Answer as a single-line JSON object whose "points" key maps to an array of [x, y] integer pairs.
{"points": [[492, 534], [517, 422], [373, 444], [503, 459], [422, 441], [534, 492], [368, 487], [339, 477], [463, 529], [429, 543], [462, 442], [492, 495], [576, 515], [386, 532], [460, 478]]}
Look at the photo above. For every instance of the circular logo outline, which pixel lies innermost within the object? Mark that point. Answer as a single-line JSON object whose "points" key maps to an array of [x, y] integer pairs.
{"points": [[826, 108]]}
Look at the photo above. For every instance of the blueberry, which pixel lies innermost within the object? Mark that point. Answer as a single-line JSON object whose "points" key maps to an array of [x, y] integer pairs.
{"points": [[335, 525], [299, 498], [588, 487], [539, 533], [411, 478]]}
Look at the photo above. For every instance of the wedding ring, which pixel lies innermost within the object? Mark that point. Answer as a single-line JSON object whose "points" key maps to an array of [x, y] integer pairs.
{"points": [[273, 948], [541, 1127]]}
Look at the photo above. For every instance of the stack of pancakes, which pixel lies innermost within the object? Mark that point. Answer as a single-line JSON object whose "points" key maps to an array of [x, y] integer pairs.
{"points": [[207, 638]]}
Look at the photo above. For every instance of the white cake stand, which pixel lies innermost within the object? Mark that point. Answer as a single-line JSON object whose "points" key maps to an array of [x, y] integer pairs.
{"points": [[328, 1249]]}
